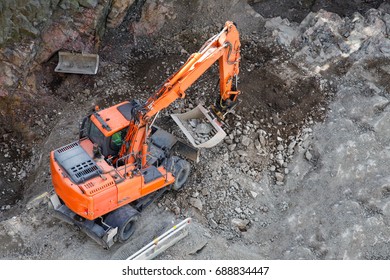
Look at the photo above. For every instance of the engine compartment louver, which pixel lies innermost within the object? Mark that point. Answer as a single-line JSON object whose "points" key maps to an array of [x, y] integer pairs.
{"points": [[76, 162]]}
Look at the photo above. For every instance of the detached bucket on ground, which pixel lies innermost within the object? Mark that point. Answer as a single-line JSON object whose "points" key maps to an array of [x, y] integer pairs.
{"points": [[199, 127], [77, 63]]}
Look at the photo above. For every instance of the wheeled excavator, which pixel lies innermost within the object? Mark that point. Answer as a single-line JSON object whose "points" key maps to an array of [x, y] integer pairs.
{"points": [[122, 161]]}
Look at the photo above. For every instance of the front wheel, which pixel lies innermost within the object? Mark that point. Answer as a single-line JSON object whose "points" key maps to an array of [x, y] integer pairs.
{"points": [[181, 173]]}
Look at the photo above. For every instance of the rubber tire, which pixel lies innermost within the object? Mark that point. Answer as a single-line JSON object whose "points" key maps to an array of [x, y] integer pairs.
{"points": [[181, 173], [126, 230], [123, 218]]}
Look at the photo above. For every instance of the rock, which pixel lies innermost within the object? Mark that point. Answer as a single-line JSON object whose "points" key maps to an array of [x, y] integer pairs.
{"points": [[234, 185], [258, 145], [195, 194], [226, 157], [18, 19], [264, 209], [118, 12], [242, 153], [272, 168], [205, 192], [282, 31], [238, 210], [279, 156], [203, 128], [232, 147], [245, 140], [197, 203], [307, 130], [210, 215], [308, 155], [88, 3], [292, 145], [8, 74], [184, 52], [198, 248], [176, 210], [262, 140], [280, 147], [38, 200], [193, 122], [153, 17], [276, 119], [385, 49], [279, 176], [3, 92], [240, 223], [382, 127], [213, 223], [253, 194], [69, 5]]}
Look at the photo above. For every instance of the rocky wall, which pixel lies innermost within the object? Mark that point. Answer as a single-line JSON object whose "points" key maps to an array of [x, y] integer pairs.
{"points": [[32, 31]]}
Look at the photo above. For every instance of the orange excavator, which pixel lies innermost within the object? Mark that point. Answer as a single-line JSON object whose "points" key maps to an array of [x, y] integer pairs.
{"points": [[122, 161]]}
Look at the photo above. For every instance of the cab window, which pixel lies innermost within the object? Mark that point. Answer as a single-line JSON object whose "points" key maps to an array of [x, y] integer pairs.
{"points": [[96, 135]]}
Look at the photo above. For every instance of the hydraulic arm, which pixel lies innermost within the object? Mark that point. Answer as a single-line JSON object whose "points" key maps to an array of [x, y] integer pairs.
{"points": [[224, 47]]}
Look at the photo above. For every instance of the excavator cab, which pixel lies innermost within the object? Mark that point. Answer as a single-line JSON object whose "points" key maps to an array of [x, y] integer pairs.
{"points": [[107, 128], [108, 146]]}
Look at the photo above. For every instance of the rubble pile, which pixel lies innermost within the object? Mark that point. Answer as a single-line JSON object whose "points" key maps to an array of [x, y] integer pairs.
{"points": [[200, 130], [253, 146]]}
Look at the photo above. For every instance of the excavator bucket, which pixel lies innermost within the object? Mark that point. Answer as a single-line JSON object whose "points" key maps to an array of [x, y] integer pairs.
{"points": [[199, 127], [77, 63]]}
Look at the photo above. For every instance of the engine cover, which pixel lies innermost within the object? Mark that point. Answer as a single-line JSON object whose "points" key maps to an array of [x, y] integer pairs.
{"points": [[76, 162]]}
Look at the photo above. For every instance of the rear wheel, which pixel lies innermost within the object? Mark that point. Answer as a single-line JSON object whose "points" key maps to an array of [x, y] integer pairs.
{"points": [[181, 172], [124, 219], [127, 229]]}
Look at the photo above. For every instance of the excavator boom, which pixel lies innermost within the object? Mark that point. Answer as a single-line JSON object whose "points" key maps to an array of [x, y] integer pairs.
{"points": [[224, 47]]}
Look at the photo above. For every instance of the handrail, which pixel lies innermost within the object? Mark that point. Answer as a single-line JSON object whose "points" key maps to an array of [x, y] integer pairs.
{"points": [[163, 242], [118, 169]]}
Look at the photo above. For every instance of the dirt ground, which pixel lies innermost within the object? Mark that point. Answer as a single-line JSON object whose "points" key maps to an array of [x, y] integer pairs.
{"points": [[280, 169]]}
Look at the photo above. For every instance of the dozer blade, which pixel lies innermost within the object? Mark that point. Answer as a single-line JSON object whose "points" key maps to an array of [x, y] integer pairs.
{"points": [[199, 127], [77, 63]]}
